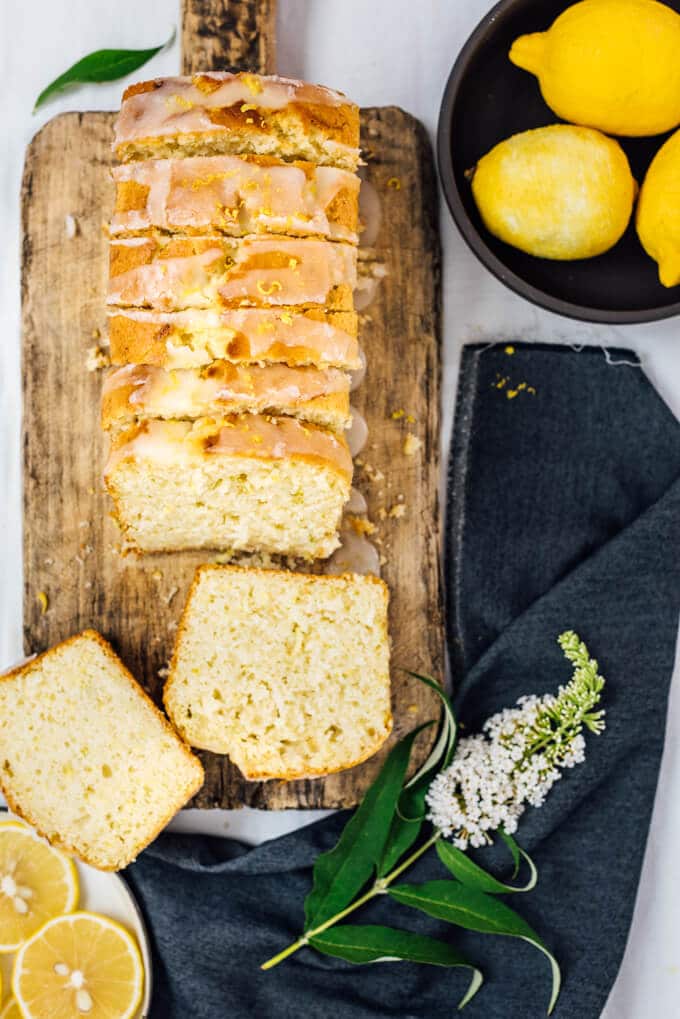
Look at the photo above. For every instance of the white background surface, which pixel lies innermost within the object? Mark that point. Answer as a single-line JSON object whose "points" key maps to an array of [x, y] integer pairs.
{"points": [[379, 52]]}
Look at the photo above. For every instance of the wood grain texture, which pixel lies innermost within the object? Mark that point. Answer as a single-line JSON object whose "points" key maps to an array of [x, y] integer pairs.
{"points": [[228, 35], [71, 545]]}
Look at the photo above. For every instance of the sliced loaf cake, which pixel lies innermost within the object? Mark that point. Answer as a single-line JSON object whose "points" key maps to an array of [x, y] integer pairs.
{"points": [[189, 339], [172, 272], [249, 483], [236, 195], [86, 757], [136, 392], [224, 113], [286, 673]]}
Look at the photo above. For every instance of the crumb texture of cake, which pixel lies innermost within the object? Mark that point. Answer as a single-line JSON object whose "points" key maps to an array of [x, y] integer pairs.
{"points": [[247, 483], [135, 392], [225, 113], [236, 196], [286, 673], [172, 273], [86, 757], [190, 339]]}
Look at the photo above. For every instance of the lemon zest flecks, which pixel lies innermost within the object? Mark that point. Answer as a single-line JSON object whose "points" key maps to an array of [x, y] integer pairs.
{"points": [[268, 291], [181, 101], [252, 83]]}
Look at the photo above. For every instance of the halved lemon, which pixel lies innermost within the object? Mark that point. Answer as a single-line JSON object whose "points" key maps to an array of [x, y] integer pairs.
{"points": [[37, 883], [11, 1010], [81, 966]]}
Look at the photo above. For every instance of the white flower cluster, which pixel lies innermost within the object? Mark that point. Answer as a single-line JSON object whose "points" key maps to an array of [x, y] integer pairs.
{"points": [[517, 758]]}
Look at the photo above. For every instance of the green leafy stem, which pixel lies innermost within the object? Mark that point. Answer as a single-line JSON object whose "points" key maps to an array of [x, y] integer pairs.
{"points": [[374, 847], [377, 846]]}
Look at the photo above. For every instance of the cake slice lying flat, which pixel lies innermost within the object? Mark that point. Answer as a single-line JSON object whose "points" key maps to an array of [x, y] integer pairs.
{"points": [[248, 483], [286, 673], [236, 196], [189, 339], [136, 392], [172, 273], [86, 757], [218, 113]]}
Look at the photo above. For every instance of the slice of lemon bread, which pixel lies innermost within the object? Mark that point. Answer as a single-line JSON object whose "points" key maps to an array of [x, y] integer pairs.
{"points": [[86, 757], [172, 273], [135, 392], [247, 483], [189, 339], [221, 113], [286, 673], [237, 196]]}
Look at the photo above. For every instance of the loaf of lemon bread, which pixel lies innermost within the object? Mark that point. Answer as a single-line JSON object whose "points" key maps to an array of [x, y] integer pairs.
{"points": [[286, 673], [233, 260]]}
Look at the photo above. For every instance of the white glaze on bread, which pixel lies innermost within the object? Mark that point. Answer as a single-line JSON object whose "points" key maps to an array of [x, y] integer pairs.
{"points": [[235, 196]]}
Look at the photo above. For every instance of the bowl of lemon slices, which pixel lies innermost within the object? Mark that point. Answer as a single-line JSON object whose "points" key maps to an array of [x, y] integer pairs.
{"points": [[72, 941], [559, 153]]}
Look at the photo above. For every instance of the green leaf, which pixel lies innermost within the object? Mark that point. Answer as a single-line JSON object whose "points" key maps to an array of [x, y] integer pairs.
{"points": [[406, 825], [465, 907], [473, 876], [102, 65], [514, 850], [442, 752], [410, 814], [367, 943], [341, 872]]}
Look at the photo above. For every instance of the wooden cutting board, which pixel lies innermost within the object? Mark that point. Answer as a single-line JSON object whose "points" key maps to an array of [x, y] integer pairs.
{"points": [[74, 573]]}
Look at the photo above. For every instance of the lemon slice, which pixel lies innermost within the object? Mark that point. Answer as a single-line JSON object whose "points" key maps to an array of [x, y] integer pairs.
{"points": [[37, 882], [81, 966], [11, 1010]]}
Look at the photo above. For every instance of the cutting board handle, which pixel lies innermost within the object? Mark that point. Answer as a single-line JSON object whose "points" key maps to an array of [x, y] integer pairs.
{"points": [[229, 35]]}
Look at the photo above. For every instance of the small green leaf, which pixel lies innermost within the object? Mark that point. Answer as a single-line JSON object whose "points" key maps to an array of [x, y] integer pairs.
{"points": [[465, 907], [473, 876], [410, 813], [341, 872], [406, 825], [514, 850], [367, 943], [102, 65], [442, 752]]}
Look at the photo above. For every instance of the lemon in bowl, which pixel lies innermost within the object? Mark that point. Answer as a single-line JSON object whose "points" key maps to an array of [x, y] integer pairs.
{"points": [[609, 64], [557, 192], [658, 213]]}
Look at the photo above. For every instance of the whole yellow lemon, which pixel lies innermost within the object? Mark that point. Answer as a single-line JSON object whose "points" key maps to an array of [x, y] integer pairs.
{"points": [[658, 214], [609, 64], [558, 192]]}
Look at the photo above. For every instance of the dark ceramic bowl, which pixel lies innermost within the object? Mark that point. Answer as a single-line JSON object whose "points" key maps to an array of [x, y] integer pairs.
{"points": [[488, 99]]}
